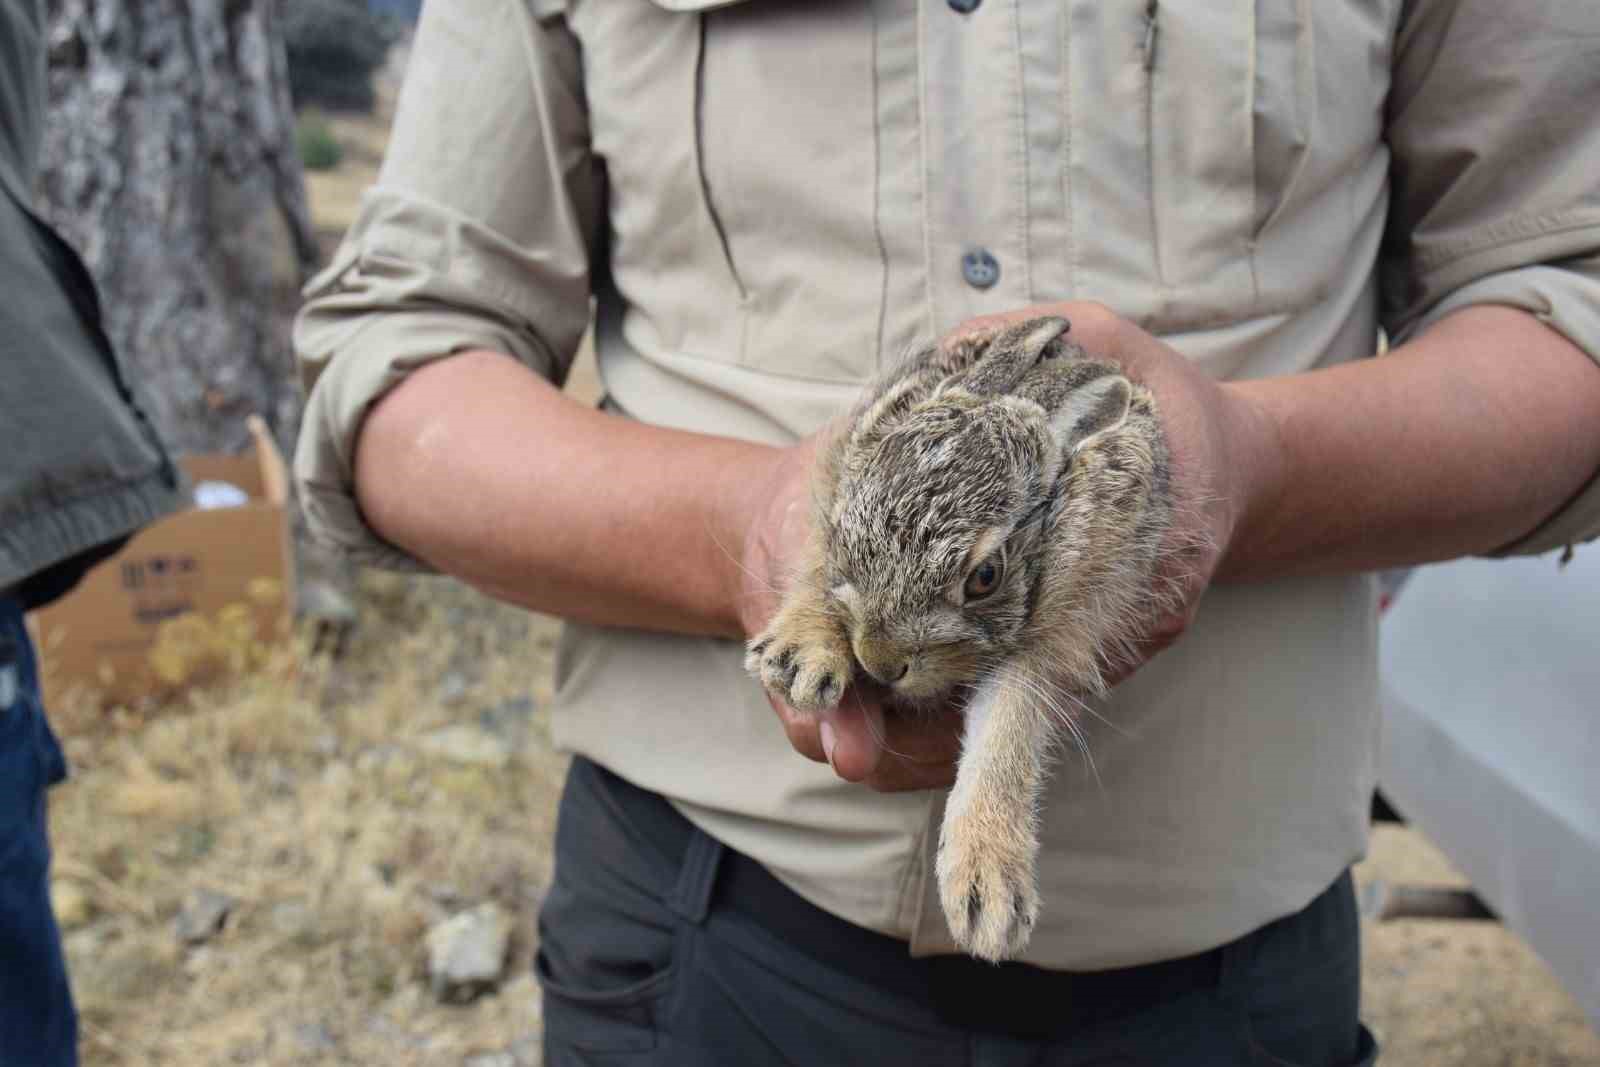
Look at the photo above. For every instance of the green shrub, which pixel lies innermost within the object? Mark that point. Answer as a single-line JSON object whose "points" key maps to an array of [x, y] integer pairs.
{"points": [[333, 47], [319, 150]]}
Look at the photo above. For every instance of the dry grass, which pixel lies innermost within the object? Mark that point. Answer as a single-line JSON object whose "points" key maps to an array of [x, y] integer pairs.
{"points": [[309, 798]]}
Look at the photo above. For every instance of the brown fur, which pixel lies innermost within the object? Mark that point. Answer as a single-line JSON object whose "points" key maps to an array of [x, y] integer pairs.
{"points": [[1014, 448]]}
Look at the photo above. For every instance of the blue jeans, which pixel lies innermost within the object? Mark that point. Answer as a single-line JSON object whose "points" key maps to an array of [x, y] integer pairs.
{"points": [[38, 1024]]}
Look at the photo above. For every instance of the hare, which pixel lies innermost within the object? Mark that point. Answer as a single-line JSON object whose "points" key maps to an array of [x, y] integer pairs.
{"points": [[987, 527]]}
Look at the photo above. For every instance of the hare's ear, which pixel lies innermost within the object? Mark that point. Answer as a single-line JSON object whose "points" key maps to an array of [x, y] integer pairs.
{"points": [[887, 409], [1013, 352], [1090, 410], [1039, 334]]}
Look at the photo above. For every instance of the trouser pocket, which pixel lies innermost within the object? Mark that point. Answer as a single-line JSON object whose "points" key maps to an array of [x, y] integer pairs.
{"points": [[1300, 983], [582, 1024], [615, 925]]}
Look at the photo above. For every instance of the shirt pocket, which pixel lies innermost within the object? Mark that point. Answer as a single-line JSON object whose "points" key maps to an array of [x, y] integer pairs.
{"points": [[786, 129], [738, 144], [665, 254], [1206, 106]]}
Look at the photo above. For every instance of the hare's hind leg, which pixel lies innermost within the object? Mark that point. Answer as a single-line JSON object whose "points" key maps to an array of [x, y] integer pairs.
{"points": [[990, 839]]}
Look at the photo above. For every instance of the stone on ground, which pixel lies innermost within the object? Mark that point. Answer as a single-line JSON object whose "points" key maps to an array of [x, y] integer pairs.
{"points": [[202, 915], [467, 953]]}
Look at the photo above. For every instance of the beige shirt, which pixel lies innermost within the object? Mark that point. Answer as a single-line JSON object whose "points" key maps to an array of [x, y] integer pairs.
{"points": [[771, 199]]}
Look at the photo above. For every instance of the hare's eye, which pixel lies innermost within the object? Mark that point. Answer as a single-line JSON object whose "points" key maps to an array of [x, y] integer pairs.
{"points": [[984, 579]]}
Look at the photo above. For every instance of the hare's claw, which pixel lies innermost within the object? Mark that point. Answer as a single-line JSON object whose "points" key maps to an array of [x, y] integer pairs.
{"points": [[807, 671], [986, 887]]}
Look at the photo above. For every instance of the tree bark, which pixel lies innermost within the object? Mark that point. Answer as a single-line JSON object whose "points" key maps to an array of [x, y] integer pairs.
{"points": [[170, 164]]}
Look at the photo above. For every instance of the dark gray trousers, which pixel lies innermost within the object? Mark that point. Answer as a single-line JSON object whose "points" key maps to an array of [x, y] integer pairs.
{"points": [[659, 945]]}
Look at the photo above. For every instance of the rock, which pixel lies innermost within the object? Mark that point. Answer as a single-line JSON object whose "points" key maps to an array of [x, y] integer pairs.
{"points": [[202, 916], [528, 1051], [510, 717], [315, 1037], [72, 904], [391, 1034], [331, 613], [196, 963], [323, 603], [294, 919], [467, 953], [491, 1059], [279, 780], [460, 743], [452, 687], [86, 945]]}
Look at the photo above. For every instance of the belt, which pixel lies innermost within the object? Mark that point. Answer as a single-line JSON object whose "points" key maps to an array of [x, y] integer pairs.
{"points": [[1011, 998]]}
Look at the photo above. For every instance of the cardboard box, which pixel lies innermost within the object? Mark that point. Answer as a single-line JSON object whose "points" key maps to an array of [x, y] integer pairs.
{"points": [[196, 593]]}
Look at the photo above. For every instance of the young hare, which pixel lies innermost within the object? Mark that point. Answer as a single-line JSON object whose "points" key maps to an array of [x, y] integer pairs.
{"points": [[987, 528]]}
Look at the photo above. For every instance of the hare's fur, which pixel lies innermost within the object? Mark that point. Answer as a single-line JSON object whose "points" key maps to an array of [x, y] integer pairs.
{"points": [[1006, 453]]}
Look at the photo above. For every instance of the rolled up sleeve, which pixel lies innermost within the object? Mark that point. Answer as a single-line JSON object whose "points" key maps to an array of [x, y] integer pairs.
{"points": [[1496, 182], [479, 233]]}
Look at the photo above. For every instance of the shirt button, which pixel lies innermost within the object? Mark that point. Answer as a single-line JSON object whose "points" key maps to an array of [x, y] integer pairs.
{"points": [[964, 7], [980, 269]]}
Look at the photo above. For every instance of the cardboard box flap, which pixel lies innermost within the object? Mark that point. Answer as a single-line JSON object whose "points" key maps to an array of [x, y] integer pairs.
{"points": [[274, 472], [261, 472]]}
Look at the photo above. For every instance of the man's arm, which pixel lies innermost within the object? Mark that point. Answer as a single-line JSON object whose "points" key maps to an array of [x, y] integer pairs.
{"points": [[1457, 443], [1441, 448], [1444, 447], [486, 471]]}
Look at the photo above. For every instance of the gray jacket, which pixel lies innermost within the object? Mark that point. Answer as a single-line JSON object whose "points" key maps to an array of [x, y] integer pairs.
{"points": [[81, 467]]}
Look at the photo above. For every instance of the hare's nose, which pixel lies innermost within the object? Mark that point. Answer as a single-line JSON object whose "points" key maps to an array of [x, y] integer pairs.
{"points": [[888, 673], [887, 661]]}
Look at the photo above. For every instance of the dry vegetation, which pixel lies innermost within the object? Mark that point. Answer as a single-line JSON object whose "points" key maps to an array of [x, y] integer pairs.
{"points": [[317, 797], [329, 804]]}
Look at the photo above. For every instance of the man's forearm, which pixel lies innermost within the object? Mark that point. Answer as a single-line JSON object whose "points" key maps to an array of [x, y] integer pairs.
{"points": [[489, 473], [1457, 443]]}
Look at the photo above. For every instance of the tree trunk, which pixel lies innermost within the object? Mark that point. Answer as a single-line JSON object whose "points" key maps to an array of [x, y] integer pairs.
{"points": [[170, 164]]}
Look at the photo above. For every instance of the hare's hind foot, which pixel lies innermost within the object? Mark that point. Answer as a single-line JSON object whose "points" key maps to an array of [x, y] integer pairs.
{"points": [[802, 659], [989, 841], [986, 886]]}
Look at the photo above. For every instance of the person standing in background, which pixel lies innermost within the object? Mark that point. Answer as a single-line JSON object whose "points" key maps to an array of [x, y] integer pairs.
{"points": [[81, 469]]}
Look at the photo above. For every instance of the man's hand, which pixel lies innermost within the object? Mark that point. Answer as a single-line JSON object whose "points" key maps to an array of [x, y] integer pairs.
{"points": [[1441, 448], [1221, 452], [1221, 447], [864, 741]]}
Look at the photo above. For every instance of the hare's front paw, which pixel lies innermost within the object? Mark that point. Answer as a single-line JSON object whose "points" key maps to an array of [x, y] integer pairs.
{"points": [[802, 660], [986, 882]]}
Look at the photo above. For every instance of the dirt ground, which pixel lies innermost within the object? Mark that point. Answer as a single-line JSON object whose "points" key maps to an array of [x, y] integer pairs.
{"points": [[344, 807], [323, 801]]}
